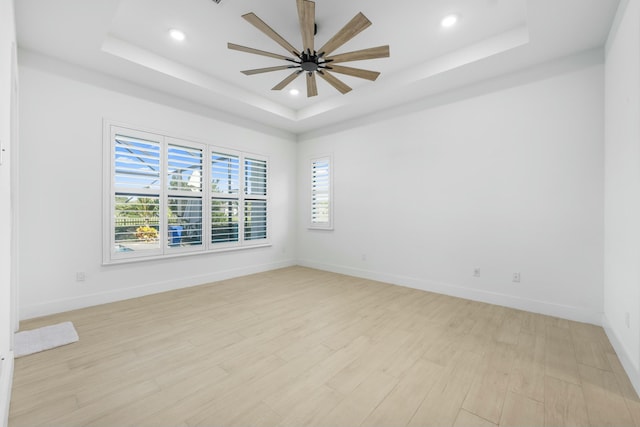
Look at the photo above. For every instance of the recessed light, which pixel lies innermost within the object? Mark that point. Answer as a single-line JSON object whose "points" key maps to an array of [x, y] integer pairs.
{"points": [[294, 92], [449, 21], [177, 34]]}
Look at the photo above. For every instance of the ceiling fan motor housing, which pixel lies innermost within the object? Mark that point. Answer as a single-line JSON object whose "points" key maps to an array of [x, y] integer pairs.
{"points": [[309, 61]]}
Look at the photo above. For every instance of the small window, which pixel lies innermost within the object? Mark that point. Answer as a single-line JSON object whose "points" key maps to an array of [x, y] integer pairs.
{"points": [[321, 196]]}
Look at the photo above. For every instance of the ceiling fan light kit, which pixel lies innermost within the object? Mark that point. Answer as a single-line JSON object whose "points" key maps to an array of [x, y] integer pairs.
{"points": [[311, 61]]}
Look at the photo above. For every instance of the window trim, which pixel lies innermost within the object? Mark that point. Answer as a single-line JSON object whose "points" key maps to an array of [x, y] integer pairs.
{"points": [[110, 256], [321, 225]]}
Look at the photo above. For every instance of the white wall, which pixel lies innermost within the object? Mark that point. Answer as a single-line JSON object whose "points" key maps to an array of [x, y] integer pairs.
{"points": [[7, 39], [507, 181], [61, 194], [622, 188]]}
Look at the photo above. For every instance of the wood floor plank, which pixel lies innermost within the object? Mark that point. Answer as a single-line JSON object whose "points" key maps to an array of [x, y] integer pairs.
{"points": [[260, 415], [310, 411], [356, 406], [178, 407], [413, 349], [527, 376], [621, 377], [303, 347], [467, 419], [352, 375], [634, 410], [486, 395], [403, 401], [148, 411], [532, 324], [521, 411], [564, 404], [605, 404], [444, 347], [509, 330], [243, 399], [310, 382], [560, 358], [444, 401], [91, 414], [591, 354], [43, 414], [626, 388]]}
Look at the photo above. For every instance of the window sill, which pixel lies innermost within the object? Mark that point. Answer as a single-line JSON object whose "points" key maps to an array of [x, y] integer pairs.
{"points": [[183, 254]]}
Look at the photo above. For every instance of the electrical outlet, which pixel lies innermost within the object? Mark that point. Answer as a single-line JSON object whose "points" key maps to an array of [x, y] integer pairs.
{"points": [[476, 272], [516, 278], [80, 276], [363, 257]]}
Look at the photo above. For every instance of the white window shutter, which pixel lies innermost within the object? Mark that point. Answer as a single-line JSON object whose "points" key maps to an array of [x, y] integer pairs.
{"points": [[321, 193]]}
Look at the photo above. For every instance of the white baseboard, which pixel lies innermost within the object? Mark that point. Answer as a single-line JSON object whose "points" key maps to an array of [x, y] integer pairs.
{"points": [[6, 379], [623, 354], [543, 307], [577, 314], [74, 303]]}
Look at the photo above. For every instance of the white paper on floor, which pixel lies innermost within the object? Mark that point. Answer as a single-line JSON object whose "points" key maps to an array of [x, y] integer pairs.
{"points": [[45, 338]]}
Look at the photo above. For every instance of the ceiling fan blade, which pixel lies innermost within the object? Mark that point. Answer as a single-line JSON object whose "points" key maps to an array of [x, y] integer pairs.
{"points": [[307, 17], [359, 55], [312, 87], [237, 47], [349, 31], [291, 77], [355, 72], [266, 70], [335, 82], [262, 26]]}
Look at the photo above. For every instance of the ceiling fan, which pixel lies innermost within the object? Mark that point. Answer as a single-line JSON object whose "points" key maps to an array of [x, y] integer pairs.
{"points": [[311, 61]]}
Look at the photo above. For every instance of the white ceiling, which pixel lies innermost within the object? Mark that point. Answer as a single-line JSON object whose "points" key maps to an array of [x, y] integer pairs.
{"points": [[129, 39]]}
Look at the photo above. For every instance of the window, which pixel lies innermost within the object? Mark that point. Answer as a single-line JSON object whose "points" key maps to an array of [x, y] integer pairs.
{"points": [[321, 197], [168, 196]]}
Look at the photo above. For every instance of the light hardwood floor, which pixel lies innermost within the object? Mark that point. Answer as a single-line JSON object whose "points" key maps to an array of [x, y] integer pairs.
{"points": [[298, 347]]}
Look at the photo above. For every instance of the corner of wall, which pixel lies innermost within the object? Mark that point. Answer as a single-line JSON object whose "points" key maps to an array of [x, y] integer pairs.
{"points": [[622, 103], [615, 25]]}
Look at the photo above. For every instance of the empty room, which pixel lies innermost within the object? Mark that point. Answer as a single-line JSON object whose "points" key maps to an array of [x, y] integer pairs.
{"points": [[319, 213]]}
